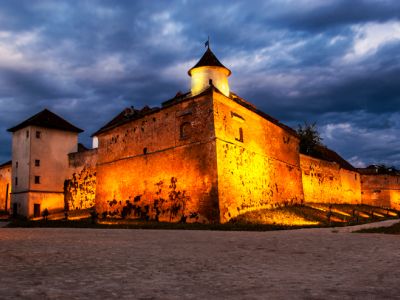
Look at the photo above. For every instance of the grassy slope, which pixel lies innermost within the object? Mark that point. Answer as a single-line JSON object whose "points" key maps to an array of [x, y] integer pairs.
{"points": [[289, 217], [318, 214]]}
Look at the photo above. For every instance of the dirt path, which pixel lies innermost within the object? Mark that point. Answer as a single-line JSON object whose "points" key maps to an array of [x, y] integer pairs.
{"points": [[386, 223], [155, 264]]}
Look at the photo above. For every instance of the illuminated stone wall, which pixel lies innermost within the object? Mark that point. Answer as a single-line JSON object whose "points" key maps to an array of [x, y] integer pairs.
{"points": [[381, 190], [258, 161], [80, 187], [209, 159], [327, 182], [5, 187], [161, 166]]}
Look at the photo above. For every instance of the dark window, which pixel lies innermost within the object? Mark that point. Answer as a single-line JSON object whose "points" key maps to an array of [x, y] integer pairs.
{"points": [[16, 165], [36, 210], [38, 134], [145, 150], [184, 130], [27, 133], [15, 210], [16, 180], [240, 138], [37, 162], [37, 179]]}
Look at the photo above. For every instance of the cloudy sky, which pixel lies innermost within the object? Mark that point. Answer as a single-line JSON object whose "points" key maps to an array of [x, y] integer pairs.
{"points": [[334, 62]]}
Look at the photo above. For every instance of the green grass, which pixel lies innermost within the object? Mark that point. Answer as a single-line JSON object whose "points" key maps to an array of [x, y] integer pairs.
{"points": [[340, 215], [311, 215], [118, 224]]}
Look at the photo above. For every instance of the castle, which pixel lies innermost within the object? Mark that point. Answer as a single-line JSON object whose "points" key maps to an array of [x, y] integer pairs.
{"points": [[206, 155]]}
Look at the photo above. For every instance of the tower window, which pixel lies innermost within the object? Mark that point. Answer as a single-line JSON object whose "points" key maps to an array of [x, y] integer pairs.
{"points": [[27, 133], [38, 134], [240, 138], [145, 150], [16, 180], [184, 130], [37, 179], [37, 162], [16, 165]]}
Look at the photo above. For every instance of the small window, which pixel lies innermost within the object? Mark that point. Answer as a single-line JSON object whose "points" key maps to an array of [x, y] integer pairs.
{"points": [[37, 179], [37, 162], [36, 210], [38, 134], [16, 165], [16, 180], [27, 133], [145, 150], [184, 130], [240, 138]]}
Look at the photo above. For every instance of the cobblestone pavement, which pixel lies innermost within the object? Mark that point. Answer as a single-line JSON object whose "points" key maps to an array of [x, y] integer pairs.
{"points": [[154, 264]]}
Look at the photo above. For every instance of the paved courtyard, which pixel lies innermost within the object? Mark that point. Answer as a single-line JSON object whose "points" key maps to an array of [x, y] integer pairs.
{"points": [[155, 264]]}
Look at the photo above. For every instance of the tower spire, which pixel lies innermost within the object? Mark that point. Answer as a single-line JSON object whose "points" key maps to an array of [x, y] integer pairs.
{"points": [[209, 70], [207, 43]]}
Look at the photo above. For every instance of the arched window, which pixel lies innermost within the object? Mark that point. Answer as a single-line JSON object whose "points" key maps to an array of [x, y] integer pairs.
{"points": [[184, 130]]}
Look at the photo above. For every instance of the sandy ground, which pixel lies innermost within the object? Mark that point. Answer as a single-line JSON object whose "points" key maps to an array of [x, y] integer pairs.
{"points": [[154, 264]]}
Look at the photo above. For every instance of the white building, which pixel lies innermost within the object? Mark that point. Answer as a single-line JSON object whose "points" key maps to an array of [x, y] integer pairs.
{"points": [[40, 148]]}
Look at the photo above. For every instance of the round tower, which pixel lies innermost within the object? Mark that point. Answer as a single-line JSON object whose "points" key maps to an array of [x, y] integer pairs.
{"points": [[207, 71]]}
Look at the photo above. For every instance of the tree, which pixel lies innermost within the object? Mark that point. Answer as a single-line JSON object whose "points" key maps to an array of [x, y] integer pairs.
{"points": [[309, 138], [45, 214]]}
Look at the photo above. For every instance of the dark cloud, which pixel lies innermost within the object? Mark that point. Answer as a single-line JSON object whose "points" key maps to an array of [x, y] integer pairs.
{"points": [[324, 15], [333, 62]]}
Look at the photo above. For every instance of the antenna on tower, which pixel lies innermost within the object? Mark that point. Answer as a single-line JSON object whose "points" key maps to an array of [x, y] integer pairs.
{"points": [[207, 43]]}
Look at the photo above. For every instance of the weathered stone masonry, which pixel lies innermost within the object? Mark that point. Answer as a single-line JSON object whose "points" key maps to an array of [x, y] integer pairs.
{"points": [[253, 155], [380, 189], [327, 182], [80, 187], [159, 158], [220, 174]]}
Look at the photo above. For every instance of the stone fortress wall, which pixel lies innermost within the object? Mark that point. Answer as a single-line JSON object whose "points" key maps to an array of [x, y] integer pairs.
{"points": [[188, 159], [253, 156], [381, 190], [162, 165], [80, 187], [5, 186], [204, 156], [327, 182]]}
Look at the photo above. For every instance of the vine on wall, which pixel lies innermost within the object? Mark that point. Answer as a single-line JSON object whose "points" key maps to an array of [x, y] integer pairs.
{"points": [[80, 191], [172, 208]]}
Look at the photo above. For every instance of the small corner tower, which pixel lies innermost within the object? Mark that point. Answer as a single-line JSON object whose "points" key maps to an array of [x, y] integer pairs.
{"points": [[209, 70]]}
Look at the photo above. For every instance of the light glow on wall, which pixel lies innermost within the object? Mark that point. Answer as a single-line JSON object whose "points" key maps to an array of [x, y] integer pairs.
{"points": [[201, 77]]}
